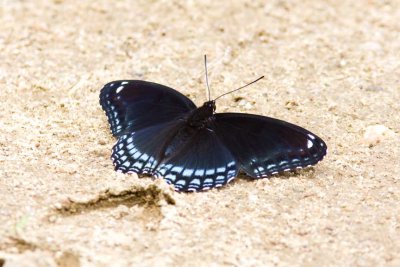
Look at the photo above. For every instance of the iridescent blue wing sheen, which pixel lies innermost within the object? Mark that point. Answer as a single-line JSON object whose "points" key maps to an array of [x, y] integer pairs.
{"points": [[142, 151], [263, 146], [193, 161], [203, 162], [131, 105]]}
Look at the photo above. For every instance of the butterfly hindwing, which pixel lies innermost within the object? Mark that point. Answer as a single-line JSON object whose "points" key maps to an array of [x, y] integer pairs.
{"points": [[133, 104], [203, 162], [197, 161], [141, 151], [265, 146]]}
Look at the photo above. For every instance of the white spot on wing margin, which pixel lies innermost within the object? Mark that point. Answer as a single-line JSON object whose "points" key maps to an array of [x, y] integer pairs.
{"points": [[119, 89]]}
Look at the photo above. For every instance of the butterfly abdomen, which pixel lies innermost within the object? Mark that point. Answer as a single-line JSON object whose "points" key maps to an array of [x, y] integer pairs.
{"points": [[196, 120], [178, 141]]}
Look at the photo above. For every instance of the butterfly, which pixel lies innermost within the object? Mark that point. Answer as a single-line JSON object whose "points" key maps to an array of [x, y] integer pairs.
{"points": [[161, 132]]}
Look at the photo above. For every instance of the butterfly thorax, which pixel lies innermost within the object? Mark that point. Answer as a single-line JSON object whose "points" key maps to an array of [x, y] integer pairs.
{"points": [[201, 116]]}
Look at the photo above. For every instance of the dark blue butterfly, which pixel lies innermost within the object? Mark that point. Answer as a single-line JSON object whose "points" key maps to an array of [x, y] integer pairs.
{"points": [[161, 132]]}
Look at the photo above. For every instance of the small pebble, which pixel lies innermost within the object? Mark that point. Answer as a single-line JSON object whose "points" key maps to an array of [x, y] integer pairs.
{"points": [[374, 134]]}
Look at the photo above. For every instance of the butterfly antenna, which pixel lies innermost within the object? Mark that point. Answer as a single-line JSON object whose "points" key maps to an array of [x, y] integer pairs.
{"points": [[208, 87], [240, 87]]}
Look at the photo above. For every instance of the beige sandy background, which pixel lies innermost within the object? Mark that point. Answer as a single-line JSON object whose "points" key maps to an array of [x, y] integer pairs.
{"points": [[330, 66]]}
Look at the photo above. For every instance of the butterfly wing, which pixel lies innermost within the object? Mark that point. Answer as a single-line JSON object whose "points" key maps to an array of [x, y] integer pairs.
{"points": [[141, 151], [203, 162], [133, 105], [199, 160], [264, 146]]}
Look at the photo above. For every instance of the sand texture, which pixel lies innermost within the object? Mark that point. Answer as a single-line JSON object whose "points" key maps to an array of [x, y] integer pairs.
{"points": [[332, 67]]}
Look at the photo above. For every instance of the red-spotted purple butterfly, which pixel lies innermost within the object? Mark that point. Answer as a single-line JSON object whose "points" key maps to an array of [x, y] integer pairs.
{"points": [[161, 132]]}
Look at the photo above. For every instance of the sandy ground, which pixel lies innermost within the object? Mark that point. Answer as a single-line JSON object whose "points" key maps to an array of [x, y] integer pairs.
{"points": [[330, 66]]}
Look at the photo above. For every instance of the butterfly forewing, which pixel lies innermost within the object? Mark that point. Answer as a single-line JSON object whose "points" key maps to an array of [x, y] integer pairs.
{"points": [[265, 146], [132, 105]]}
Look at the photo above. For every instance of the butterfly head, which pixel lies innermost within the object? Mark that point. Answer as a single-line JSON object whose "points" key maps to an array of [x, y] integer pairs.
{"points": [[210, 106], [199, 117]]}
